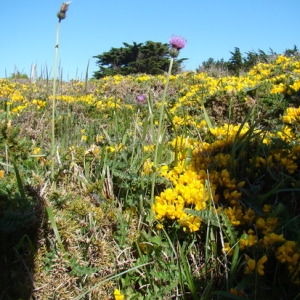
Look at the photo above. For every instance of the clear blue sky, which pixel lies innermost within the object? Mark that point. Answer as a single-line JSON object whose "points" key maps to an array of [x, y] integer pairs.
{"points": [[212, 28]]}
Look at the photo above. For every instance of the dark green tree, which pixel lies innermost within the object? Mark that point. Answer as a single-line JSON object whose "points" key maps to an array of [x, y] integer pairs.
{"points": [[235, 64], [149, 57], [251, 60], [292, 52]]}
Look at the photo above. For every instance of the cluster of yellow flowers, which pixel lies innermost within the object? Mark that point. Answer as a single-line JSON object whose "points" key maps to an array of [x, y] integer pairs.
{"points": [[281, 76], [289, 254], [253, 265], [22, 96], [189, 191], [207, 179], [292, 115]]}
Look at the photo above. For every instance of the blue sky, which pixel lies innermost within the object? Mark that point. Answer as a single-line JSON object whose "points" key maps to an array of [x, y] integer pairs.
{"points": [[212, 29]]}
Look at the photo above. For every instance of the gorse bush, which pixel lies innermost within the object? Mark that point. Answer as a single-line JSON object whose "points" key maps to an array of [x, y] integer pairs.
{"points": [[212, 214], [239, 63]]}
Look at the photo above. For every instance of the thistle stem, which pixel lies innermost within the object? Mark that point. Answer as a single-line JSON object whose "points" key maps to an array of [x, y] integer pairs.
{"points": [[54, 101]]}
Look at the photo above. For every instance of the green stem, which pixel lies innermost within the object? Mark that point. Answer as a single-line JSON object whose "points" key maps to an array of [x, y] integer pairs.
{"points": [[54, 102], [161, 116], [7, 126], [160, 133]]}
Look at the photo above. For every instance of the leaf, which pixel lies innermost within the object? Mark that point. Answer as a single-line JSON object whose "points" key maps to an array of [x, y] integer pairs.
{"points": [[206, 117], [55, 229], [205, 215], [228, 228], [19, 181]]}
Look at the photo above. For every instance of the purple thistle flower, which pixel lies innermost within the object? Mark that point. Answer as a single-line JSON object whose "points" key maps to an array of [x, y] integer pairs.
{"points": [[140, 98], [177, 42]]}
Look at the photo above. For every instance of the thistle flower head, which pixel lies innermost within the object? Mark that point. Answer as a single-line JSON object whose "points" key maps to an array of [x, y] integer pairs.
{"points": [[63, 9], [177, 43], [140, 98]]}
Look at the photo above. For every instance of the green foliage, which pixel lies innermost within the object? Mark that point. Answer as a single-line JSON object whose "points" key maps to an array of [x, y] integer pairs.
{"points": [[149, 57], [236, 61], [15, 145], [239, 63], [170, 269]]}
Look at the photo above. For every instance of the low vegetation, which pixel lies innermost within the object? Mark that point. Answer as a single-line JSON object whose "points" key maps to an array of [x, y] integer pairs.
{"points": [[189, 192]]}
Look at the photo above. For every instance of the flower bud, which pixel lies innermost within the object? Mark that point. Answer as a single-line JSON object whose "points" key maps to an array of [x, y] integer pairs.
{"points": [[177, 43], [174, 52], [61, 15]]}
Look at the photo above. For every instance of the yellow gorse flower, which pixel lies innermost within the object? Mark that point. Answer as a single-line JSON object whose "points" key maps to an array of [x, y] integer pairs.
{"points": [[250, 265], [291, 115], [260, 268], [118, 295]]}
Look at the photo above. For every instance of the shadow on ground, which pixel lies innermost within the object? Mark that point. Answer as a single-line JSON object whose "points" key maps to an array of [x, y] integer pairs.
{"points": [[21, 227]]}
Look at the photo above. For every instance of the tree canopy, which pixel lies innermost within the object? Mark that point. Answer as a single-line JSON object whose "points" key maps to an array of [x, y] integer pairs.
{"points": [[149, 57]]}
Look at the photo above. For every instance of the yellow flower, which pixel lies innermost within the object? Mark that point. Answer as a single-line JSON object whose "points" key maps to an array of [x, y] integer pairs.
{"points": [[36, 150], [234, 214], [147, 167], [248, 240], [272, 238], [248, 216], [280, 88], [289, 254], [267, 208], [95, 150], [148, 148], [39, 103], [250, 266], [84, 138], [2, 173], [118, 295], [285, 252], [159, 226], [99, 138], [296, 85], [281, 59], [191, 223], [237, 292], [260, 265], [227, 249], [260, 223], [291, 115]]}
